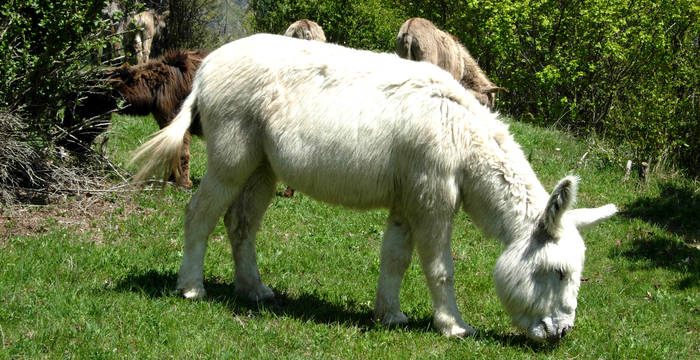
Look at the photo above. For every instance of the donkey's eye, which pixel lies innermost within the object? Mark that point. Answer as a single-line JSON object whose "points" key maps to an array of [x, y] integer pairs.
{"points": [[561, 275]]}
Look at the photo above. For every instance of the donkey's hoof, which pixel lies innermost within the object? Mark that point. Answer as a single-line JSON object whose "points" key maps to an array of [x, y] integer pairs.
{"points": [[193, 293], [259, 294], [393, 319], [459, 331]]}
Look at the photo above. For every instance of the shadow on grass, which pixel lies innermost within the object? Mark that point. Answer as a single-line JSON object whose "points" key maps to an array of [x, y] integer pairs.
{"points": [[658, 250], [676, 210], [307, 307], [516, 340]]}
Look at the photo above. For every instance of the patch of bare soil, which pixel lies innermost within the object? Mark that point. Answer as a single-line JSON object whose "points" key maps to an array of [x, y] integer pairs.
{"points": [[82, 212]]}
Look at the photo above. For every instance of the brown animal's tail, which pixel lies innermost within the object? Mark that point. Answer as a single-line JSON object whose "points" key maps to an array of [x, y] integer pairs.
{"points": [[161, 154]]}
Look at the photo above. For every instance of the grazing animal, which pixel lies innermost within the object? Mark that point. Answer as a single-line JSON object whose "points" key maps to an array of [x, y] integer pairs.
{"points": [[306, 29], [420, 40], [158, 87], [141, 29], [136, 30], [87, 115], [369, 130]]}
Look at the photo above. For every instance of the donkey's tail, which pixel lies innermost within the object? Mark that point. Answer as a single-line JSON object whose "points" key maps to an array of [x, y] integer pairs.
{"points": [[161, 155], [404, 42]]}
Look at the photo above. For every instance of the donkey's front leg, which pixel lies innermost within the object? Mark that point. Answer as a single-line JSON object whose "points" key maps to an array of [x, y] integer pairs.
{"points": [[396, 256], [433, 245]]}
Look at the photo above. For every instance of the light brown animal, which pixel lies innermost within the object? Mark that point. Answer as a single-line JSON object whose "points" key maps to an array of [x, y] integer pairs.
{"points": [[306, 29], [141, 29], [420, 40]]}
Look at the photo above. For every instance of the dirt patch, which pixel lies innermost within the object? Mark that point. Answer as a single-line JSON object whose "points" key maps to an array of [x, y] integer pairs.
{"points": [[81, 212]]}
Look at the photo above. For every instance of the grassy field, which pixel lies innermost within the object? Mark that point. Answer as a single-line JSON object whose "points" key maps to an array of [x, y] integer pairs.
{"points": [[93, 276]]}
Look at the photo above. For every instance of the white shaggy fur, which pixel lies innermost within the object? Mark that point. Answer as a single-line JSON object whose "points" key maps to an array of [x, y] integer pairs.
{"points": [[371, 130]]}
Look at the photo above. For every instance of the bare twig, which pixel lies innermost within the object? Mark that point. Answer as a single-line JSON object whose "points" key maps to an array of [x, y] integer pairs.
{"points": [[644, 172], [583, 158], [98, 154], [6, 27], [103, 191]]}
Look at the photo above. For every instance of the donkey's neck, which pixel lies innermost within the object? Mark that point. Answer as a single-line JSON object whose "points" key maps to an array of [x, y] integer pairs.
{"points": [[501, 192]]}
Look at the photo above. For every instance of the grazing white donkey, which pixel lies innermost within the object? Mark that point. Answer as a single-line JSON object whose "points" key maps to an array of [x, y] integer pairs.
{"points": [[372, 130]]}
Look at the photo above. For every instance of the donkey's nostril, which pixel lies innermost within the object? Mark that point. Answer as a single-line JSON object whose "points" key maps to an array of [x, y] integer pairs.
{"points": [[564, 331]]}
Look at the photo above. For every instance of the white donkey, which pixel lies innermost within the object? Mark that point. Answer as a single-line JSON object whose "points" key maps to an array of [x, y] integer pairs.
{"points": [[372, 130]]}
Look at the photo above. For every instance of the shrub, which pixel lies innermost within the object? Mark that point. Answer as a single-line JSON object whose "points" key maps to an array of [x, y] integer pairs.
{"points": [[621, 69], [45, 51], [46, 57], [189, 24]]}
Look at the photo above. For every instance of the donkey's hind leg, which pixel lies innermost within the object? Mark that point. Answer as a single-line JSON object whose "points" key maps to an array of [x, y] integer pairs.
{"points": [[242, 221], [201, 214]]}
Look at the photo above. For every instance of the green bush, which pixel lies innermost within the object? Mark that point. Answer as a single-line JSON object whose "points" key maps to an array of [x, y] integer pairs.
{"points": [[626, 70], [47, 53], [45, 50]]}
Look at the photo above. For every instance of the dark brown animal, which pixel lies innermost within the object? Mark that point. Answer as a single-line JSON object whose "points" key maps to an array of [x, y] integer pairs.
{"points": [[306, 29], [420, 40], [158, 87], [86, 115]]}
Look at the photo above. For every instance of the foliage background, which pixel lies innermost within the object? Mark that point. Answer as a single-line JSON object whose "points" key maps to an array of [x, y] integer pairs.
{"points": [[624, 70], [44, 48]]}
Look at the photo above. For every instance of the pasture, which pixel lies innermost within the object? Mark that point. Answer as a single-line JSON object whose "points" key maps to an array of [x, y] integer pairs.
{"points": [[94, 276]]}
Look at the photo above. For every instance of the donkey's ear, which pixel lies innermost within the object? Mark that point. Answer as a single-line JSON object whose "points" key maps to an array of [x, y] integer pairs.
{"points": [[585, 218], [494, 89], [562, 198]]}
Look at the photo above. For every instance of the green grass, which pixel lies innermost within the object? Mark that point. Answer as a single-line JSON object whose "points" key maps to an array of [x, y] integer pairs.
{"points": [[104, 290]]}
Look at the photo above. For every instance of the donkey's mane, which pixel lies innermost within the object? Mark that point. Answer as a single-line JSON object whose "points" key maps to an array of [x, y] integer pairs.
{"points": [[497, 168]]}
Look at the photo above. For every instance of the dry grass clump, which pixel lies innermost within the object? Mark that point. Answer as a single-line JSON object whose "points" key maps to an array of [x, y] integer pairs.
{"points": [[32, 171]]}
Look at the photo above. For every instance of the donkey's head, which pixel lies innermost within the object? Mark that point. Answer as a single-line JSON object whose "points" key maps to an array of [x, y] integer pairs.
{"points": [[537, 278], [159, 22]]}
